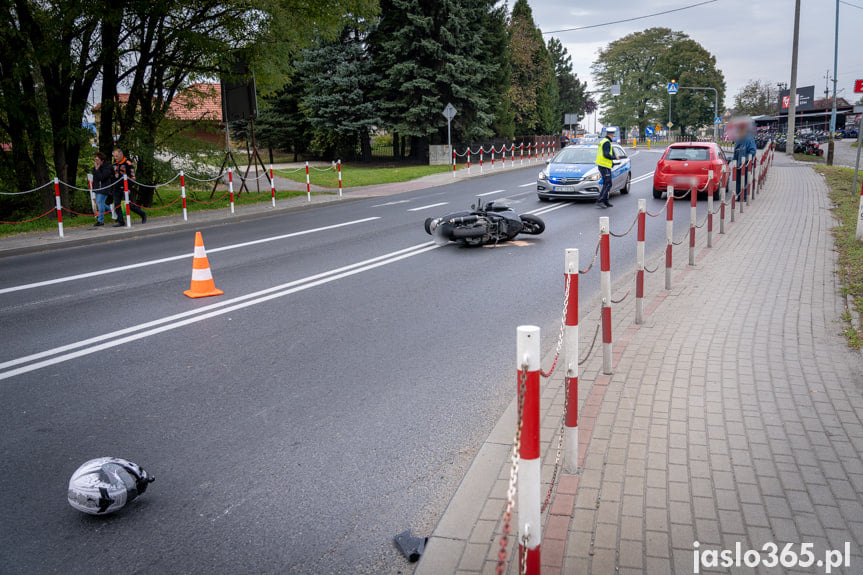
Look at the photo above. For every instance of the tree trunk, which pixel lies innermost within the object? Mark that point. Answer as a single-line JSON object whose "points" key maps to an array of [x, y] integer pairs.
{"points": [[365, 146], [110, 62], [397, 155]]}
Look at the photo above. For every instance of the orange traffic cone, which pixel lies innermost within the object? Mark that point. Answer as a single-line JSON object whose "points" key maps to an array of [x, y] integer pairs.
{"points": [[202, 278]]}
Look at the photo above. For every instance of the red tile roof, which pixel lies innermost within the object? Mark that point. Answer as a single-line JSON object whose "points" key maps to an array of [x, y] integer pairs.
{"points": [[200, 101]]}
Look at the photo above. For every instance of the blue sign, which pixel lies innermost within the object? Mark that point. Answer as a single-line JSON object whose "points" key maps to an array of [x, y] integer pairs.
{"points": [[717, 120], [649, 130], [672, 88]]}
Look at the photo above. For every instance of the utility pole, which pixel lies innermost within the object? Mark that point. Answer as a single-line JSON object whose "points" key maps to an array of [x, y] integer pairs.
{"points": [[832, 144], [792, 96]]}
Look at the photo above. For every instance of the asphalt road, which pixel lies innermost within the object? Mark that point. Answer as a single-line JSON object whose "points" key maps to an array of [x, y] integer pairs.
{"points": [[294, 430]]}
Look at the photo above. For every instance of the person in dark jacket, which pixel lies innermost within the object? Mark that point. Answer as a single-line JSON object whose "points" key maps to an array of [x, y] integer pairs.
{"points": [[744, 147], [103, 176], [123, 167], [604, 162]]}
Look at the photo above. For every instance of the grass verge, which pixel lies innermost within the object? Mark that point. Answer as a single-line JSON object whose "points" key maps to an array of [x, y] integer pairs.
{"points": [[847, 203], [809, 158], [170, 205], [356, 175]]}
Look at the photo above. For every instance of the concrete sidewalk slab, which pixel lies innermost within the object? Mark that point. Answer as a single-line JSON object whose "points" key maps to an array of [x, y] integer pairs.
{"points": [[734, 414]]}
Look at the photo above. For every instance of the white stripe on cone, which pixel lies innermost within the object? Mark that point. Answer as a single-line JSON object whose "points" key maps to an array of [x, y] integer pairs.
{"points": [[201, 275]]}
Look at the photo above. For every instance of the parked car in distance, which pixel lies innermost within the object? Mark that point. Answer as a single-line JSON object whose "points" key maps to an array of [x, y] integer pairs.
{"points": [[685, 165], [572, 174]]}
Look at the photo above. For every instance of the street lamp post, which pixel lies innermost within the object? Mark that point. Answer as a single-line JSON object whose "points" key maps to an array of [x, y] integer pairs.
{"points": [[831, 145]]}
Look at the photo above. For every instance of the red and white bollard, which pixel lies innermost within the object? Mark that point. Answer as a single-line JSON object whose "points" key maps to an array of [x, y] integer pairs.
{"points": [[492, 156], [273, 187], [748, 179], [92, 196], [859, 232], [693, 203], [543, 150], [529, 462], [639, 262], [453, 163], [481, 150], [710, 193], [308, 183], [521, 154], [127, 201], [231, 187], [669, 235], [339, 164], [183, 195], [58, 206], [722, 197], [512, 153], [570, 334], [734, 187], [503, 156], [468, 161], [605, 291]]}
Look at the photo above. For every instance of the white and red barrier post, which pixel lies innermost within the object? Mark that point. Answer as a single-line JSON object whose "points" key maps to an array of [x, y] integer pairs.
{"points": [[693, 204], [127, 200], [183, 195], [529, 462], [521, 154], [748, 189], [453, 162], [231, 187], [512, 153], [735, 187], [468, 161], [669, 234], [503, 156], [92, 196], [722, 197], [308, 184], [639, 262], [273, 186], [570, 334], [339, 164], [605, 289], [859, 232], [481, 150], [492, 156], [710, 193], [58, 206]]}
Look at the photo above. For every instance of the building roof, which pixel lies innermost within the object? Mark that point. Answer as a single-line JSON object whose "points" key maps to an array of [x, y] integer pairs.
{"points": [[200, 101]]}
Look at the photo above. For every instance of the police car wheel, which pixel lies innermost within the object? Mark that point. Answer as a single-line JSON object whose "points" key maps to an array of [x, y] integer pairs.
{"points": [[628, 185]]}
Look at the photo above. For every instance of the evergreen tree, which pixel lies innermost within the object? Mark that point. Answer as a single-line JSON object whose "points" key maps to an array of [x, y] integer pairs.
{"points": [[496, 50], [339, 79], [533, 88], [430, 53], [573, 97], [282, 124]]}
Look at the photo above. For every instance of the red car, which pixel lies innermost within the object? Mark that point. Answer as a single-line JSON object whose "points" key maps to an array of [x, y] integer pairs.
{"points": [[688, 164]]}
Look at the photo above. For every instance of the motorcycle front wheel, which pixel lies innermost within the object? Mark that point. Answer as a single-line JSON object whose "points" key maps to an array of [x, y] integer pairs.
{"points": [[533, 226]]}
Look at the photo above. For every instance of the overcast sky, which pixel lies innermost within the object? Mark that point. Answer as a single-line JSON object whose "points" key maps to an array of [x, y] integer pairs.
{"points": [[751, 39]]}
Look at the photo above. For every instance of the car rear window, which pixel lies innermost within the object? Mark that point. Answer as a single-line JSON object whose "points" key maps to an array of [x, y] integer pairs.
{"points": [[688, 154]]}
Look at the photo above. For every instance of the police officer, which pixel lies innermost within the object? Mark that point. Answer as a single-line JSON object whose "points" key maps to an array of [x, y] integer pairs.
{"points": [[604, 161], [122, 166]]}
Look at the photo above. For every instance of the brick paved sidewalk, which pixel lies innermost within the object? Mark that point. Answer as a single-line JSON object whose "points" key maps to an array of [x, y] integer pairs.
{"points": [[733, 415]]}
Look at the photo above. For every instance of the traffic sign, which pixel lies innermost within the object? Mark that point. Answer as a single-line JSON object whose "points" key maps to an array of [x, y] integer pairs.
{"points": [[858, 86], [672, 87], [717, 120], [658, 128], [649, 130], [449, 112], [670, 125]]}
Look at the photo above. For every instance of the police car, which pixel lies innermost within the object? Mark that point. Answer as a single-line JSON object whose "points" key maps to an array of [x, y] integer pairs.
{"points": [[572, 174]]}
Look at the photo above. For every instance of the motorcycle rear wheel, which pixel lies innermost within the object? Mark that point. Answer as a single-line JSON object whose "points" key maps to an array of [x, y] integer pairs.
{"points": [[533, 226]]}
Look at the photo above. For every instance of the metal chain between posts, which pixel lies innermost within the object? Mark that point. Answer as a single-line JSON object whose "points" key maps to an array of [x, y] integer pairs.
{"points": [[595, 254], [593, 343], [654, 269], [624, 234], [513, 475], [626, 295], [559, 450], [659, 213], [560, 333]]}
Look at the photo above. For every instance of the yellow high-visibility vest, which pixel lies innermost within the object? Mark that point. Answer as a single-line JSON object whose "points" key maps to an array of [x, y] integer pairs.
{"points": [[601, 160]]}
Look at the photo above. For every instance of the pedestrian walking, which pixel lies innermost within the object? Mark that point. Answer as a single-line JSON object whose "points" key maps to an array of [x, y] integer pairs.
{"points": [[123, 167], [604, 162], [744, 146], [103, 176]]}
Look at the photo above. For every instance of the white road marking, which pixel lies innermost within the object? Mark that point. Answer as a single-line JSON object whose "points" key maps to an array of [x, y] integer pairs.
{"points": [[527, 185], [540, 211], [177, 257], [490, 193], [391, 203], [642, 178], [428, 206], [141, 331]]}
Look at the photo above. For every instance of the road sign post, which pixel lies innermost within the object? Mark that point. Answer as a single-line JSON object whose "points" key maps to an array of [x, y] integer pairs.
{"points": [[449, 113], [859, 110]]}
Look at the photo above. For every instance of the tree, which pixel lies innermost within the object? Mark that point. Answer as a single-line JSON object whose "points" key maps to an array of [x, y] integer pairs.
{"points": [[282, 123], [757, 98], [428, 54], [339, 81], [691, 65], [496, 51], [572, 92], [632, 63], [533, 88]]}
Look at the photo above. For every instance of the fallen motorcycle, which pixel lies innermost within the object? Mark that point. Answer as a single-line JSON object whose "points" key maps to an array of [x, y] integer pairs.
{"points": [[483, 224]]}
